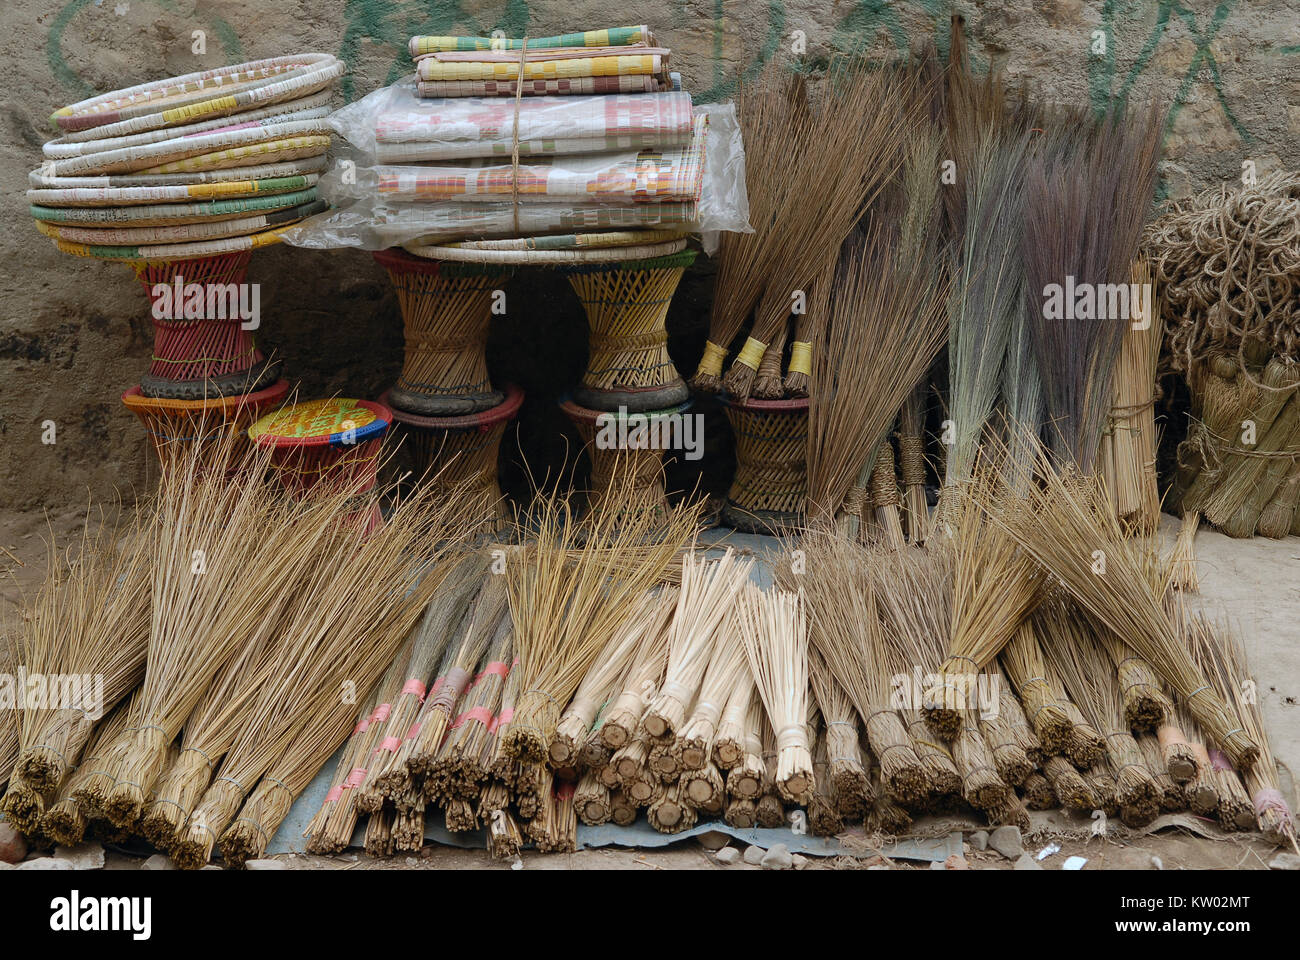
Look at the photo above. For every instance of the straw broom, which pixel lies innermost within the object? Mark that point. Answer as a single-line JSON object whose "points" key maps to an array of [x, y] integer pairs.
{"points": [[809, 327], [747, 778], [209, 531], [342, 636], [1146, 705], [669, 812], [845, 774], [631, 763], [1170, 794], [775, 634], [770, 808], [481, 618], [1062, 528], [462, 762], [1012, 712], [90, 618], [824, 819], [708, 591], [887, 818], [65, 820], [726, 671], [1219, 652], [565, 612], [768, 384], [880, 303], [729, 740], [1042, 698], [644, 675], [598, 684], [911, 462], [1038, 793], [774, 148], [387, 773], [342, 788], [845, 151], [591, 799], [846, 631], [1061, 629], [1069, 787]]}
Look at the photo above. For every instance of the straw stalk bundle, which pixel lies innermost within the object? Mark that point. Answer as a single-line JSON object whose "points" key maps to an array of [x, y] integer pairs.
{"points": [[463, 760], [773, 627], [66, 819], [846, 774], [644, 675], [566, 609]]}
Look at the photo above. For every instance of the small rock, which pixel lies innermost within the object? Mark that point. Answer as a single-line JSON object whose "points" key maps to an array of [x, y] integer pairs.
{"points": [[1285, 861], [980, 839], [754, 855], [158, 861], [1006, 841], [426, 853], [1159, 864], [777, 858], [13, 845], [412, 862], [266, 865], [210, 866], [956, 862], [46, 863], [936, 865], [1026, 862], [728, 855], [800, 861], [713, 840], [87, 856], [877, 866]]}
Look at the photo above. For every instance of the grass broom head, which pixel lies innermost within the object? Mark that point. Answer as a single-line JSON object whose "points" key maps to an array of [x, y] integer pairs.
{"points": [[569, 587], [1064, 523]]}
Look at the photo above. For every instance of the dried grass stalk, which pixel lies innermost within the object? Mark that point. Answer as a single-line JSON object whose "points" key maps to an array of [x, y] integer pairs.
{"points": [[727, 671], [848, 784], [645, 674]]}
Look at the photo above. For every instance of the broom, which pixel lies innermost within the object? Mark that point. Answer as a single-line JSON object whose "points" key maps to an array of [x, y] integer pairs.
{"points": [[775, 634], [598, 684], [340, 637], [1041, 696], [911, 463], [1055, 523], [727, 671], [824, 819], [846, 630], [770, 808], [90, 619], [846, 776], [65, 821], [591, 800], [747, 778], [708, 591], [729, 740], [565, 612], [645, 673]]}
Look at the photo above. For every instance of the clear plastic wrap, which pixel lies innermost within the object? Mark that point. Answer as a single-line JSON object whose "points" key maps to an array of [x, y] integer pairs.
{"points": [[393, 125], [375, 208]]}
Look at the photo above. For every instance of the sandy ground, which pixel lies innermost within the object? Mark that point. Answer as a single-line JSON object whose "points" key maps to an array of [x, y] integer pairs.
{"points": [[1254, 584]]}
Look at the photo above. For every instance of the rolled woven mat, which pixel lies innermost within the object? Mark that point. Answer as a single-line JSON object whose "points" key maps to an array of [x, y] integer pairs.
{"points": [[574, 241], [170, 421], [168, 214], [195, 96], [180, 233], [446, 310], [174, 251], [626, 303], [622, 447], [126, 196], [450, 452], [561, 64], [309, 108], [289, 168], [771, 481], [550, 87], [609, 37], [335, 442]]}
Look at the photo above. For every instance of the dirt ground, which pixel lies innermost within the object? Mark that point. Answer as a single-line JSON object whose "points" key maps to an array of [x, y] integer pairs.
{"points": [[1252, 583]]}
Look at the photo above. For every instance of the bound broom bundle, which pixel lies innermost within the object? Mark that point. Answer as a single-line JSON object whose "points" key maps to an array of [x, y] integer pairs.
{"points": [[462, 763], [349, 771], [1042, 696], [1202, 790], [708, 592], [727, 671], [1068, 785], [846, 631], [747, 778], [591, 799], [994, 587], [1084, 667], [1171, 794], [1061, 629], [89, 624], [1012, 712], [215, 520], [1219, 652], [598, 684], [484, 613], [1038, 793], [65, 820], [824, 818], [879, 303], [770, 809], [775, 634], [669, 812], [644, 675], [1057, 521], [387, 775], [341, 636], [566, 610], [703, 789], [1146, 705], [911, 464], [809, 327], [729, 740], [632, 764], [846, 776]]}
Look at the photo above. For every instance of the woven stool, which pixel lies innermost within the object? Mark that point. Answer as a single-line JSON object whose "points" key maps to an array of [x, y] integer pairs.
{"points": [[626, 304], [335, 442], [771, 481], [446, 308], [613, 465], [170, 421], [453, 452]]}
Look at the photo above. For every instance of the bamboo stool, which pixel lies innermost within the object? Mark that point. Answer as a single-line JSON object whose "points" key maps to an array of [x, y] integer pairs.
{"points": [[771, 482]]}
